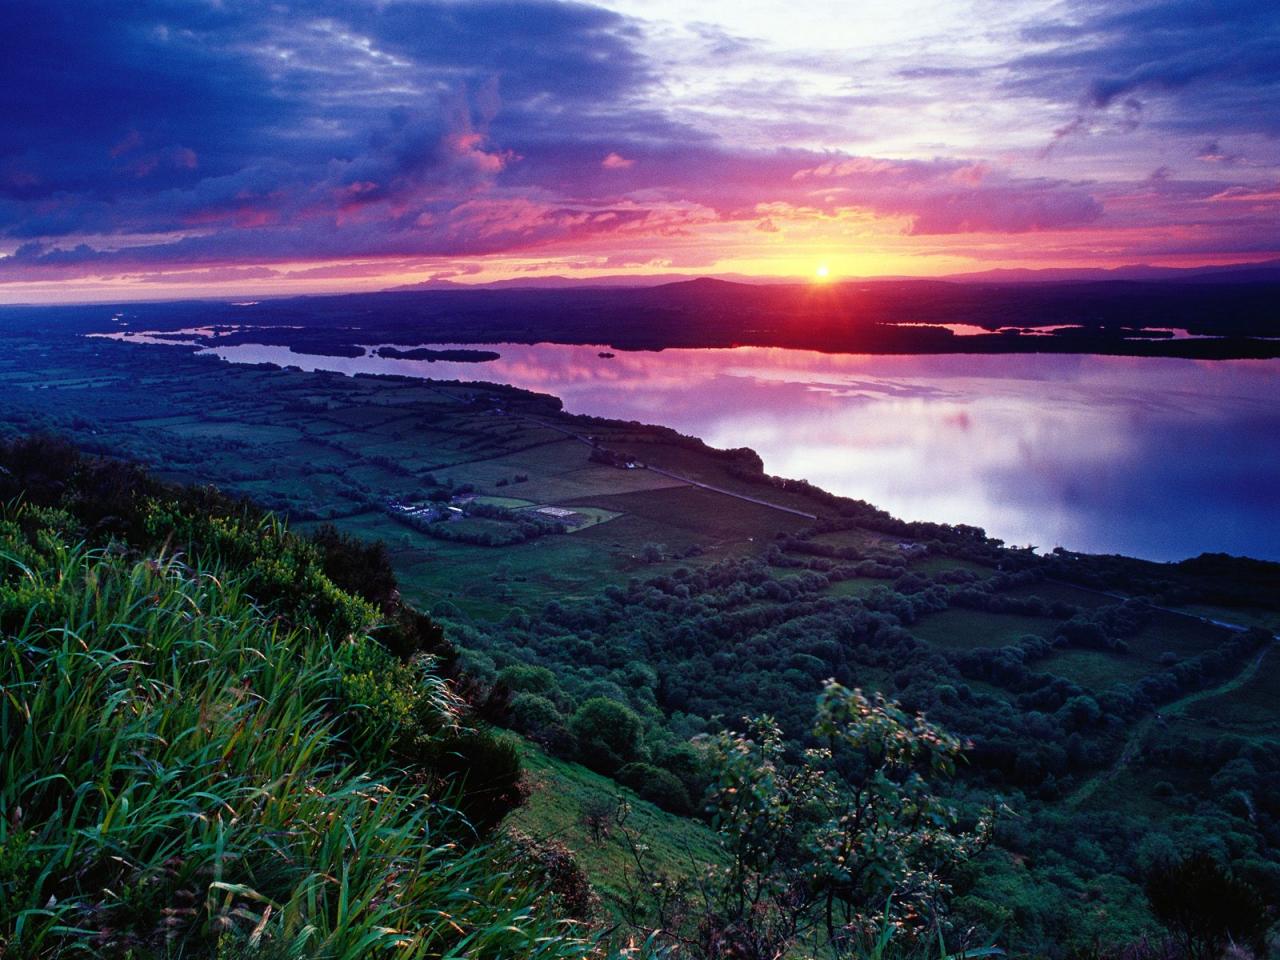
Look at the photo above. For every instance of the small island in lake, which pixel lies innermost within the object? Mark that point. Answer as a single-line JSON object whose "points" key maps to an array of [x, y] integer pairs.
{"points": [[431, 356]]}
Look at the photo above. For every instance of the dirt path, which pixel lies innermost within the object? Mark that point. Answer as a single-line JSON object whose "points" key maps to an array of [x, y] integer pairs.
{"points": [[730, 493], [1133, 745], [675, 476]]}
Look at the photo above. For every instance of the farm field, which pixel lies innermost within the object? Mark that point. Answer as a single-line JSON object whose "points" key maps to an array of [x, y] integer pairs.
{"points": [[1249, 709], [323, 447], [959, 629], [1096, 670]]}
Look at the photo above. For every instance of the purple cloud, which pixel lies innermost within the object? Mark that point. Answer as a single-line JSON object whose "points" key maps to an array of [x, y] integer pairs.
{"points": [[207, 141]]}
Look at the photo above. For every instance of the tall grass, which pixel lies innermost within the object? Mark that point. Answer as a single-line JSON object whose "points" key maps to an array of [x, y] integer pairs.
{"points": [[178, 779]]}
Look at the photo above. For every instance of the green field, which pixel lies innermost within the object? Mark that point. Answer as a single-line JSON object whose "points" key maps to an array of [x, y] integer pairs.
{"points": [[1249, 709], [858, 587], [1095, 669], [959, 629], [930, 565], [1063, 593], [324, 446], [1177, 634]]}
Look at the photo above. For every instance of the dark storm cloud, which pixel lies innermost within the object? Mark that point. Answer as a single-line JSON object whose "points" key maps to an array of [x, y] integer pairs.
{"points": [[150, 116], [104, 98], [183, 133], [1217, 63]]}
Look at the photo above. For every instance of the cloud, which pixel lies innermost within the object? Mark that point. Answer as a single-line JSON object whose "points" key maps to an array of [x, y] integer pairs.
{"points": [[1212, 152], [1216, 66], [952, 196], [187, 137], [209, 275]]}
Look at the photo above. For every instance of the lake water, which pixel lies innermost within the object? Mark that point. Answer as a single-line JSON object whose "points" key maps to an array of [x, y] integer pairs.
{"points": [[1157, 458]]}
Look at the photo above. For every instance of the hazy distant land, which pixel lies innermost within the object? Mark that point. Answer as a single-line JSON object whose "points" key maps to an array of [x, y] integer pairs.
{"points": [[1201, 318]]}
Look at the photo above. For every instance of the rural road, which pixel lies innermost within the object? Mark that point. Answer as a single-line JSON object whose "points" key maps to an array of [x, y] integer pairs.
{"points": [[730, 493], [675, 476]]}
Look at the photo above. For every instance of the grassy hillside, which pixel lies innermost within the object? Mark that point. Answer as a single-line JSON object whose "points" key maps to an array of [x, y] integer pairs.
{"points": [[562, 793], [189, 769]]}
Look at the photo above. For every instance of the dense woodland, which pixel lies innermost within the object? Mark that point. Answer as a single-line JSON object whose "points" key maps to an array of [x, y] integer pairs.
{"points": [[624, 681]]}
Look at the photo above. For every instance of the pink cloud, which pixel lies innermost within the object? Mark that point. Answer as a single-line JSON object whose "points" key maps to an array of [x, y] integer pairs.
{"points": [[221, 274], [1243, 194], [616, 161], [851, 167], [131, 141]]}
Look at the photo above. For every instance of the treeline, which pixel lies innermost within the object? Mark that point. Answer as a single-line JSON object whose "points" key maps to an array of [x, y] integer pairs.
{"points": [[1211, 578]]}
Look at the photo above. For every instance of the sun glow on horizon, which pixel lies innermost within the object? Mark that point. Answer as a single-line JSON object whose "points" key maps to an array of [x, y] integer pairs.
{"points": [[822, 274]]}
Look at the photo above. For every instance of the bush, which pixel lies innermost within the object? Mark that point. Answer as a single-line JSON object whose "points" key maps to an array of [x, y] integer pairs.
{"points": [[522, 678], [609, 733], [356, 566], [483, 770], [658, 786], [554, 863], [1205, 907], [533, 714]]}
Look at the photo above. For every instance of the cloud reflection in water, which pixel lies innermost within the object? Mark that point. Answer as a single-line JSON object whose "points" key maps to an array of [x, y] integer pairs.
{"points": [[1160, 458]]}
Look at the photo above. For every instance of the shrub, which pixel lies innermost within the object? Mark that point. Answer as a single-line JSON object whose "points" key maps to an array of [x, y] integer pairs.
{"points": [[535, 715], [523, 678], [553, 861], [609, 733], [1205, 907], [483, 769], [656, 785]]}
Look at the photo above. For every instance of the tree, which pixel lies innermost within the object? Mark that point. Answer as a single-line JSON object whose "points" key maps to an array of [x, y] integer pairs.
{"points": [[833, 849], [532, 714], [609, 733], [599, 812], [886, 835], [1205, 907], [525, 678], [658, 786]]}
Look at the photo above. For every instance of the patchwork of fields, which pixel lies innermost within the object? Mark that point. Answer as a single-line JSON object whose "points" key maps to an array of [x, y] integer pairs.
{"points": [[329, 448]]}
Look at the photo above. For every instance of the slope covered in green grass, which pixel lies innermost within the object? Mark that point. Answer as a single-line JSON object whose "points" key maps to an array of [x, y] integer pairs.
{"points": [[563, 794], [204, 754]]}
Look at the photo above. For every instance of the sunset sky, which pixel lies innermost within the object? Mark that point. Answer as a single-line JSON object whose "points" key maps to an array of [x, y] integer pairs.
{"points": [[158, 149]]}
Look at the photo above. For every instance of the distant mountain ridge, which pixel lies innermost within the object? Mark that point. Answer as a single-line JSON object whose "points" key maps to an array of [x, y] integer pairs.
{"points": [[560, 282], [1259, 271], [1263, 271]]}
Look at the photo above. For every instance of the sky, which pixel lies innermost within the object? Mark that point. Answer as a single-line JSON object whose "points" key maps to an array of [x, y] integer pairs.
{"points": [[163, 148]]}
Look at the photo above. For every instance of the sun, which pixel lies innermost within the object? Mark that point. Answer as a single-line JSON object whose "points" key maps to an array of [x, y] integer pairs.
{"points": [[822, 274]]}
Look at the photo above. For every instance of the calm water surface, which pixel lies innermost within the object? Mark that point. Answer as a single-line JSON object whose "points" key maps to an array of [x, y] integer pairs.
{"points": [[1156, 458]]}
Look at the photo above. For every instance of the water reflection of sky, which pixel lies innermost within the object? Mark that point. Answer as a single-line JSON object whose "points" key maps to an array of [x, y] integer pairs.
{"points": [[1158, 458]]}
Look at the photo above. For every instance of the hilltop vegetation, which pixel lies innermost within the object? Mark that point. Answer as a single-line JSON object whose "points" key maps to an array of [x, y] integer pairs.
{"points": [[205, 753]]}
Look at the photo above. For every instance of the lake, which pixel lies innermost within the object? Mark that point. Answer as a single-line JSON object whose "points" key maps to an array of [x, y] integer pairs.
{"points": [[1156, 458]]}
